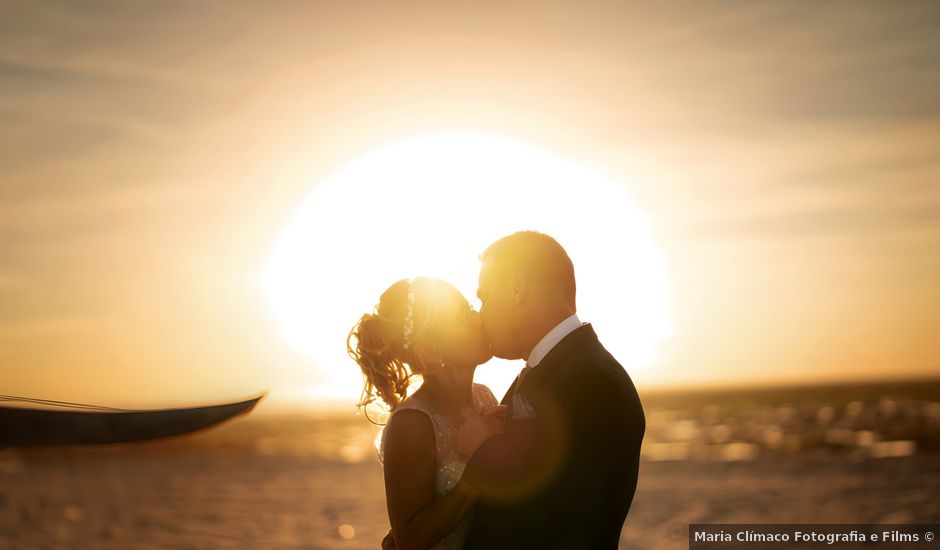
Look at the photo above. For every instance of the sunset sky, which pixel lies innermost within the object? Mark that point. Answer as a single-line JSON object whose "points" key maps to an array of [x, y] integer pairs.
{"points": [[786, 155]]}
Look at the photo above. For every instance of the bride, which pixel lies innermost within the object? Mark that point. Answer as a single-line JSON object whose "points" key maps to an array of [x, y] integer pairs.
{"points": [[424, 327]]}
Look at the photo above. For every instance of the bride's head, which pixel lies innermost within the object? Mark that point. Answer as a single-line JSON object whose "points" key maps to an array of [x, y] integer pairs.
{"points": [[420, 326]]}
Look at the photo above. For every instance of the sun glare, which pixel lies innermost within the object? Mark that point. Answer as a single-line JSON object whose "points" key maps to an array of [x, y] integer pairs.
{"points": [[429, 206]]}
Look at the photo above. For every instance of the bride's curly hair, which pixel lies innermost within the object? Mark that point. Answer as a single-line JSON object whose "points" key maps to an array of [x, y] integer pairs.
{"points": [[377, 341]]}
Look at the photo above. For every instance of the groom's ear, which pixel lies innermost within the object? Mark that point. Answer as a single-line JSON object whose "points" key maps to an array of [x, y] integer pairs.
{"points": [[519, 284]]}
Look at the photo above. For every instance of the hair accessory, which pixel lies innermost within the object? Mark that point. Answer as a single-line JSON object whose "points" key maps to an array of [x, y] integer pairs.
{"points": [[410, 316]]}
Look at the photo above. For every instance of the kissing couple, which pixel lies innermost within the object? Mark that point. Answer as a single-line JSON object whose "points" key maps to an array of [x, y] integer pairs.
{"points": [[552, 465]]}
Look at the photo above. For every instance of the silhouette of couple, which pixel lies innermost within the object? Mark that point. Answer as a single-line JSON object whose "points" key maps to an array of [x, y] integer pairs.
{"points": [[554, 464]]}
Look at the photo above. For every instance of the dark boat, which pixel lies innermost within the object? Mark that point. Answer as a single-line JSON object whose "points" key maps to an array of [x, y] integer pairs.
{"points": [[20, 426]]}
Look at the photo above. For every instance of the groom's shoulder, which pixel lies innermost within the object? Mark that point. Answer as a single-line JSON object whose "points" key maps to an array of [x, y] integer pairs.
{"points": [[590, 352], [594, 365], [586, 348]]}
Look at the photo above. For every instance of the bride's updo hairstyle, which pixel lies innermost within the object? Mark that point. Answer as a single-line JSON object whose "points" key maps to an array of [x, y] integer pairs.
{"points": [[388, 343]]}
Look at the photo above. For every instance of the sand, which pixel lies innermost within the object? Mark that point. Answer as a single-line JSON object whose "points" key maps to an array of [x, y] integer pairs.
{"points": [[225, 490]]}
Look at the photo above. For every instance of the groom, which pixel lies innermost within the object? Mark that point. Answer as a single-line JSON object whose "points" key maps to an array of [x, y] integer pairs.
{"points": [[564, 472]]}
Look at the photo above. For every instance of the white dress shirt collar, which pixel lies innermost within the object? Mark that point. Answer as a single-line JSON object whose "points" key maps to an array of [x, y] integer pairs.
{"points": [[551, 339]]}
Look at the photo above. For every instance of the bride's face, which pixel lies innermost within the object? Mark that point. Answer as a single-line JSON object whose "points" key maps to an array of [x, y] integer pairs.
{"points": [[456, 336]]}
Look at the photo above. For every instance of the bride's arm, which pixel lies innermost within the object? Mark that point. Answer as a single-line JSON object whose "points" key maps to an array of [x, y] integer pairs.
{"points": [[418, 518]]}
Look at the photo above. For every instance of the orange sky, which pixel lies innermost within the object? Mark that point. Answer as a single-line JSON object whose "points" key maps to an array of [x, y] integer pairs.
{"points": [[787, 154]]}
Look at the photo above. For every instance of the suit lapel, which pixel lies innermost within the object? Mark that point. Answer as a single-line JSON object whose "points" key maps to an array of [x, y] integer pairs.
{"points": [[510, 392]]}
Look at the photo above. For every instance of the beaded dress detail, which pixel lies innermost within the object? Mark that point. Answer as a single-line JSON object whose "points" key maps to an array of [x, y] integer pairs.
{"points": [[450, 464]]}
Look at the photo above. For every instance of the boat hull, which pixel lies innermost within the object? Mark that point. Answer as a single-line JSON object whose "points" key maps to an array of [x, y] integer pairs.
{"points": [[21, 427]]}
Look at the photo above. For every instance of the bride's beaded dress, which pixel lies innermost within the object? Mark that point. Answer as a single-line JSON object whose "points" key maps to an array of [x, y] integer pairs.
{"points": [[450, 464]]}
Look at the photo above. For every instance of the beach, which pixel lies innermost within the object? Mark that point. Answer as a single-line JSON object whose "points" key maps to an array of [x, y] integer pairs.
{"points": [[312, 481]]}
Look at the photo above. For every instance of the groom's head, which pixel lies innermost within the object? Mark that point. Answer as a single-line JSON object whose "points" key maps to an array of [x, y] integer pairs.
{"points": [[526, 284]]}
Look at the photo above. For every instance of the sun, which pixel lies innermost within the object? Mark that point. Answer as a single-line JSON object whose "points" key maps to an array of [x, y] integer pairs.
{"points": [[429, 206]]}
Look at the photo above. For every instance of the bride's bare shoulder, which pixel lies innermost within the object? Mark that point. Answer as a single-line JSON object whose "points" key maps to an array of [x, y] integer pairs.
{"points": [[408, 424], [408, 436]]}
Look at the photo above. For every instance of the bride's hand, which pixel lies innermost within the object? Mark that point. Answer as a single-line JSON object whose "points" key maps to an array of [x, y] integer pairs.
{"points": [[478, 427], [496, 416]]}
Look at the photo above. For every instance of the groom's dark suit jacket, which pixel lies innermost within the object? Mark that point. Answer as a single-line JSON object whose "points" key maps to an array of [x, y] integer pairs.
{"points": [[565, 479]]}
